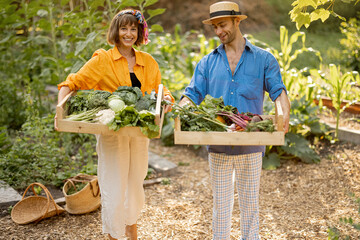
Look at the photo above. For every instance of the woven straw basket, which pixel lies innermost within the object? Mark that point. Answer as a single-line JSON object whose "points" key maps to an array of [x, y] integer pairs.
{"points": [[87, 199], [35, 208]]}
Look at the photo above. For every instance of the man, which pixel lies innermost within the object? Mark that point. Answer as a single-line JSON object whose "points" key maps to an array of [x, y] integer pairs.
{"points": [[240, 73]]}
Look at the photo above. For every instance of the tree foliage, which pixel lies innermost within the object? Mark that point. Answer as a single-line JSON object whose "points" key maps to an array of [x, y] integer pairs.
{"points": [[306, 11]]}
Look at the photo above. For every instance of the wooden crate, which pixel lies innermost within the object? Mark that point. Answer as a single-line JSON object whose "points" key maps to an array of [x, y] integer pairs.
{"points": [[234, 138], [98, 128]]}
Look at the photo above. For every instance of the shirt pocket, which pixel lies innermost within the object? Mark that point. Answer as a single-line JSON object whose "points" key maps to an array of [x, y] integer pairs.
{"points": [[250, 88]]}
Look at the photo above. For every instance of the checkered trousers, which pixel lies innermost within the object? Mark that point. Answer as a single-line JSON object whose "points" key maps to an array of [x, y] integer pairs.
{"points": [[247, 169]]}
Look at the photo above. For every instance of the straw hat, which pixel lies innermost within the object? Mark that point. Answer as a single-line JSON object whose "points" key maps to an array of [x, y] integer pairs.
{"points": [[87, 199], [224, 9]]}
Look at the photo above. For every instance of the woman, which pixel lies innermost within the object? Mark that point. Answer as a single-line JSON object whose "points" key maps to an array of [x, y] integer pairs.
{"points": [[122, 160]]}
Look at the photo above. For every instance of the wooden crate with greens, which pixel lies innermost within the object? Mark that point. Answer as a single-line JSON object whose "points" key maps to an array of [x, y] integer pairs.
{"points": [[214, 123], [124, 112]]}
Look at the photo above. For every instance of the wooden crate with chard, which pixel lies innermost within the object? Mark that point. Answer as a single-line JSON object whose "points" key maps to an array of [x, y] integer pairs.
{"points": [[214, 123]]}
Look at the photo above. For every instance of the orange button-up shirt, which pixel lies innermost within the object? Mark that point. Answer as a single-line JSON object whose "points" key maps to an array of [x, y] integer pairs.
{"points": [[107, 70]]}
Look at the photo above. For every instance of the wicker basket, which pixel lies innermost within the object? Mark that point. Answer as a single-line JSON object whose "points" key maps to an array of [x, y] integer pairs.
{"points": [[87, 199], [35, 208]]}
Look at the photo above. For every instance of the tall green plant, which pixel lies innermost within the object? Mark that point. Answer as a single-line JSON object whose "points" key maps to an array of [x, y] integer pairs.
{"points": [[338, 86], [287, 55], [294, 79]]}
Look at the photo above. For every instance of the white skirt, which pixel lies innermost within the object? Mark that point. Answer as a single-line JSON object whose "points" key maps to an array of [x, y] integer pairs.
{"points": [[122, 168]]}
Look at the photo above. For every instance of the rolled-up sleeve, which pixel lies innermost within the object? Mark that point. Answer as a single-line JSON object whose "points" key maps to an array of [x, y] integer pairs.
{"points": [[87, 77], [196, 90], [273, 80]]}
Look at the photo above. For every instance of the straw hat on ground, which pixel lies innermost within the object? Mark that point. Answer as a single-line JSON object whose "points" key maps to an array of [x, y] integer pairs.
{"points": [[87, 199], [224, 9]]}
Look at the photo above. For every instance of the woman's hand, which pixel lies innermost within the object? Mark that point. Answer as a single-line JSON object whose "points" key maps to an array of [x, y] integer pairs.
{"points": [[55, 122], [62, 94], [167, 107]]}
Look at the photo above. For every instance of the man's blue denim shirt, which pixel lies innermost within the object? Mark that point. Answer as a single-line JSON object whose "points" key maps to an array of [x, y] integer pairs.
{"points": [[256, 72]]}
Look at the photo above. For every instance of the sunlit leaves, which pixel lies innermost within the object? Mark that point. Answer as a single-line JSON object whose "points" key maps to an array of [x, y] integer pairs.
{"points": [[149, 2], [306, 11], [155, 12], [156, 28], [319, 14]]}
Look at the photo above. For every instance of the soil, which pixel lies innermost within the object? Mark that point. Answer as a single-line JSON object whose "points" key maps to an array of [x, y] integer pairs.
{"points": [[297, 201]]}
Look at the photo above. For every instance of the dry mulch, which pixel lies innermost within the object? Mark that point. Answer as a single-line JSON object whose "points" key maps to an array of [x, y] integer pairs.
{"points": [[297, 201]]}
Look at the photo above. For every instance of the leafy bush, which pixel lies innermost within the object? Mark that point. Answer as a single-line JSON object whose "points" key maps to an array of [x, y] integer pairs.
{"points": [[305, 130], [35, 155], [4, 140], [351, 43]]}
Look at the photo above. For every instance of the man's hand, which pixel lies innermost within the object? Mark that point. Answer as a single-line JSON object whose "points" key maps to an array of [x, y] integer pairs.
{"points": [[285, 105], [185, 101], [167, 107]]}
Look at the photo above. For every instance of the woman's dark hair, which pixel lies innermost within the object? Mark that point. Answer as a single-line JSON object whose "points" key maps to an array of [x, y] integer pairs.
{"points": [[124, 20]]}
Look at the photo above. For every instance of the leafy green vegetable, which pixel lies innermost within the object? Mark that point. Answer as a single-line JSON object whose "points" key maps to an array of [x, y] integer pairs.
{"points": [[198, 118], [87, 99], [78, 103], [86, 116], [98, 99], [130, 95], [266, 125], [147, 102], [147, 124], [115, 103], [128, 105], [128, 116]]}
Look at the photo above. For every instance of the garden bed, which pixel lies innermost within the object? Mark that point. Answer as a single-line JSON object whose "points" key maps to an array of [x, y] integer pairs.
{"points": [[353, 108]]}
